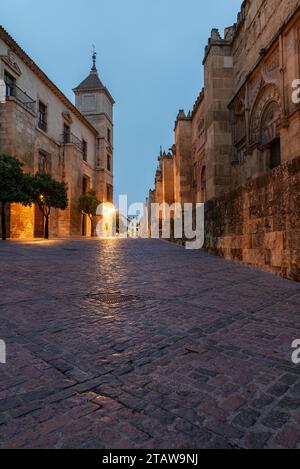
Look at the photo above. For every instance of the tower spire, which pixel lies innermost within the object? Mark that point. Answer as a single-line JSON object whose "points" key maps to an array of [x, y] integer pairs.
{"points": [[94, 57]]}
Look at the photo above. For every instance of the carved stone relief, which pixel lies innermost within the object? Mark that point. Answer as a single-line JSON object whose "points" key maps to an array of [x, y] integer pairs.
{"points": [[270, 69], [268, 104], [11, 62], [269, 123], [238, 118], [201, 131]]}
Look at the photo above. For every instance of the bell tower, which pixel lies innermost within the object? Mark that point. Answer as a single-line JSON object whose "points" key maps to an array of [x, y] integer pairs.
{"points": [[95, 102]]}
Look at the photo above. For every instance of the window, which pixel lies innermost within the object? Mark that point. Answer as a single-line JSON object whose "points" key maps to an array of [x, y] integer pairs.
{"points": [[42, 117], [108, 162], [109, 193], [109, 135], [66, 134], [84, 150], [10, 83], [43, 163], [275, 153]]}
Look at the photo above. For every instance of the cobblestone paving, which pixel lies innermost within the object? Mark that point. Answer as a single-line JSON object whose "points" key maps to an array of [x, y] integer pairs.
{"points": [[142, 344]]}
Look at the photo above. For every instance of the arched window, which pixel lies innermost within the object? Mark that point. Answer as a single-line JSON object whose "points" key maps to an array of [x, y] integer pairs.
{"points": [[270, 136], [269, 123]]}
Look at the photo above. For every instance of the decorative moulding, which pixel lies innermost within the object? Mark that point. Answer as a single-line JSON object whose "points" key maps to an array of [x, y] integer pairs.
{"points": [[67, 117], [10, 61]]}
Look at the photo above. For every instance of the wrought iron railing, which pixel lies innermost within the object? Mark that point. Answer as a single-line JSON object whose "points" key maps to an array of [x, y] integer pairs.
{"points": [[69, 138], [14, 91]]}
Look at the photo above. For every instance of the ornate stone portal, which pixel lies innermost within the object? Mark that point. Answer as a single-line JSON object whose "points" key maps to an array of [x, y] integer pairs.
{"points": [[266, 112], [270, 122]]}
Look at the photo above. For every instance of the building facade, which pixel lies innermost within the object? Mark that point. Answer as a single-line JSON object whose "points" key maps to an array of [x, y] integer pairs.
{"points": [[44, 130], [245, 127]]}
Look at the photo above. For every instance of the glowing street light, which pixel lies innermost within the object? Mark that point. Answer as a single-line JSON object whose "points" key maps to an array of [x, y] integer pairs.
{"points": [[107, 212]]}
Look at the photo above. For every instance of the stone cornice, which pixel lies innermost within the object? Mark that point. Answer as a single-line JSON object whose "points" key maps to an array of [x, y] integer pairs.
{"points": [[96, 114], [101, 89]]}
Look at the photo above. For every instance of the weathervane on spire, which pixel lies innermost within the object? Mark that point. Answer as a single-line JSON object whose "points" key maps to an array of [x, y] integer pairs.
{"points": [[94, 58]]}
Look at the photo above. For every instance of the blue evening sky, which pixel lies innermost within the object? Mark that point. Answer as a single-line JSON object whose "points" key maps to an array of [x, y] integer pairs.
{"points": [[149, 56]]}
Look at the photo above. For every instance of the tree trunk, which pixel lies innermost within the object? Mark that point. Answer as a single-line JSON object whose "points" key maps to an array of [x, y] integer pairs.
{"points": [[3, 221], [47, 227]]}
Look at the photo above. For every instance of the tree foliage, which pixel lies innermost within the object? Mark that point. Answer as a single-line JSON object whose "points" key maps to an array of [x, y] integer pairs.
{"points": [[19, 187], [15, 186], [88, 204], [49, 193]]}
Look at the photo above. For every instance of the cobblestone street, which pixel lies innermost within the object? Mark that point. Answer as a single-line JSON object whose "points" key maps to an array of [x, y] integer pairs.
{"points": [[143, 344]]}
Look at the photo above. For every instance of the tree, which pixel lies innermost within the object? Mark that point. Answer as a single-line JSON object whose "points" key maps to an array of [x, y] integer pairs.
{"points": [[88, 204], [15, 186], [49, 193]]}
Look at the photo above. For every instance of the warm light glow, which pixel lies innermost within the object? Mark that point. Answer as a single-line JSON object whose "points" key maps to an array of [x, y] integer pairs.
{"points": [[37, 241], [107, 211]]}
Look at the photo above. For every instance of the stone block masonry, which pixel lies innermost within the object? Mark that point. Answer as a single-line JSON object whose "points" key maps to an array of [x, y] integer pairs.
{"points": [[259, 223]]}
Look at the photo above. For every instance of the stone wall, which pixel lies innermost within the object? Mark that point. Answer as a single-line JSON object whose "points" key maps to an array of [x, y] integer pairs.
{"points": [[17, 133], [183, 168], [198, 149], [22, 221], [218, 72], [257, 26], [167, 165], [259, 223]]}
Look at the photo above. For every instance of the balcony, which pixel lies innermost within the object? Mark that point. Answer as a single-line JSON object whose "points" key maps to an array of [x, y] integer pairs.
{"points": [[13, 91], [68, 138]]}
